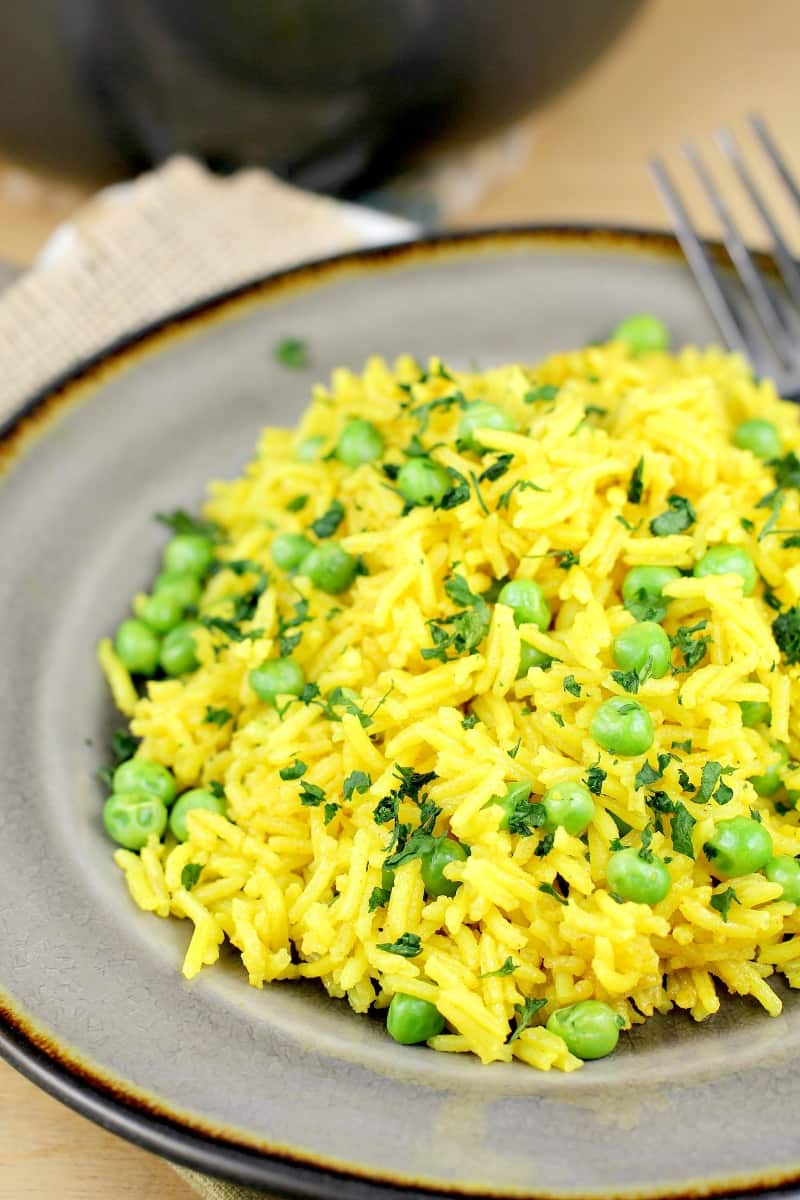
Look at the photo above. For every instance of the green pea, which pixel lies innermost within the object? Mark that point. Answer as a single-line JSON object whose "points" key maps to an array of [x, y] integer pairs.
{"points": [[728, 560], [785, 870], [189, 553], [131, 818], [480, 414], [589, 1028], [443, 851], [421, 481], [188, 802], [642, 332], [411, 1020], [179, 650], [755, 712], [644, 880], [509, 800], [643, 588], [643, 646], [137, 647], [528, 601], [738, 847], [309, 449], [570, 805], [139, 775], [529, 657], [162, 611], [289, 549], [183, 586], [758, 436], [359, 442], [623, 726], [768, 783], [330, 568], [277, 677]]}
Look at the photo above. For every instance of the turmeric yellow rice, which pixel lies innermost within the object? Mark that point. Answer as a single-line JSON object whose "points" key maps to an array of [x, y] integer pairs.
{"points": [[460, 745]]}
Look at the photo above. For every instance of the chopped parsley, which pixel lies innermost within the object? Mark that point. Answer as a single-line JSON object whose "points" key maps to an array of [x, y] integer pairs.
{"points": [[463, 631], [190, 875], [636, 484], [496, 469], [724, 793], [710, 777], [722, 902], [508, 968], [646, 775], [792, 542], [557, 717], [685, 782], [408, 945], [123, 745], [291, 352], [571, 685], [747, 525], [311, 796], [692, 649], [679, 516], [326, 525], [525, 1014], [231, 629], [297, 503], [470, 721], [356, 781], [458, 493], [545, 845], [786, 631], [330, 811], [682, 825], [478, 494], [525, 816], [181, 522], [544, 392], [549, 890], [295, 770], [629, 680], [595, 778], [686, 746], [378, 897], [216, 789], [217, 716], [522, 485], [288, 641]]}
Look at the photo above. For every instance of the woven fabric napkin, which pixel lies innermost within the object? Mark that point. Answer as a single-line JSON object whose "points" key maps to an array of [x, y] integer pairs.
{"points": [[143, 250]]}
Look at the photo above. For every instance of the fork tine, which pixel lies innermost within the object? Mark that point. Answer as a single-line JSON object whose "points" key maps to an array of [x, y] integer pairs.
{"points": [[759, 127], [783, 255], [699, 259], [764, 302]]}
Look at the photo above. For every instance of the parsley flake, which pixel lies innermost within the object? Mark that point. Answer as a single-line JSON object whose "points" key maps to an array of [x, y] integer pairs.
{"points": [[636, 485], [217, 716], [549, 890], [291, 352], [679, 516], [408, 945], [356, 781], [297, 503], [525, 1014], [722, 902], [190, 875], [571, 685], [295, 770], [692, 649], [181, 522], [786, 631], [326, 525], [496, 469], [378, 897], [595, 778], [681, 832], [311, 796], [508, 968], [544, 392]]}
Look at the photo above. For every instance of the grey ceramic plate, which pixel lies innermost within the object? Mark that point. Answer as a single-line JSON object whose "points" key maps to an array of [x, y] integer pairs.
{"points": [[283, 1088]]}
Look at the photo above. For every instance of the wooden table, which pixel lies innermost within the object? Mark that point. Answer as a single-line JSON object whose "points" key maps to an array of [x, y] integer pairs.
{"points": [[682, 68]]}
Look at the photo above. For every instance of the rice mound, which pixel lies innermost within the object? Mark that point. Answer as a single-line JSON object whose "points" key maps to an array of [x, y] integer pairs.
{"points": [[290, 885]]}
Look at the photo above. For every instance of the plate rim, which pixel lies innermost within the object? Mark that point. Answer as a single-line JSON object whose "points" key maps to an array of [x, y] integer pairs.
{"points": [[57, 1069]]}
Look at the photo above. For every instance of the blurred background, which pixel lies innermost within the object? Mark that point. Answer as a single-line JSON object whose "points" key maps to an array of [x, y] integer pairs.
{"points": [[448, 111]]}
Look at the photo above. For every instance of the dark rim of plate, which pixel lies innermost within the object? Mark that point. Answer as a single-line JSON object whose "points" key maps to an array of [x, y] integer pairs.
{"points": [[56, 1069]]}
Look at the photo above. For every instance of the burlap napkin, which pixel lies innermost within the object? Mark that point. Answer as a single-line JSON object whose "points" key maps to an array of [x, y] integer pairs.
{"points": [[142, 250]]}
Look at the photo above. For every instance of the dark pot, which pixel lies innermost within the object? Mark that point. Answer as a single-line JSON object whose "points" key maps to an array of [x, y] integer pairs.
{"points": [[334, 94]]}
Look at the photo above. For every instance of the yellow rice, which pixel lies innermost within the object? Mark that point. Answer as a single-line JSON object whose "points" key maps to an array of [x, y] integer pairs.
{"points": [[291, 893]]}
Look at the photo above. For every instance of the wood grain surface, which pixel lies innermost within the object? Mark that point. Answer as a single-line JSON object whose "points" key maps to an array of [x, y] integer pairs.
{"points": [[682, 68]]}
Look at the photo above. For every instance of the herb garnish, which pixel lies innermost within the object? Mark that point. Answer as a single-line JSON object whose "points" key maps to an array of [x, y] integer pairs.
{"points": [[297, 503], [190, 875], [311, 796], [636, 485], [525, 1014], [549, 890], [463, 631], [496, 469], [692, 649], [786, 631], [523, 485], [181, 522], [682, 825], [217, 716], [595, 778], [408, 945], [571, 685], [291, 352], [545, 391], [326, 525], [722, 902], [679, 516], [295, 770], [356, 781], [508, 968], [378, 897]]}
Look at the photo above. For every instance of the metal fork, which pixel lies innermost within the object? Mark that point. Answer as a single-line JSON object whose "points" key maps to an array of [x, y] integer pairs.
{"points": [[769, 331]]}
